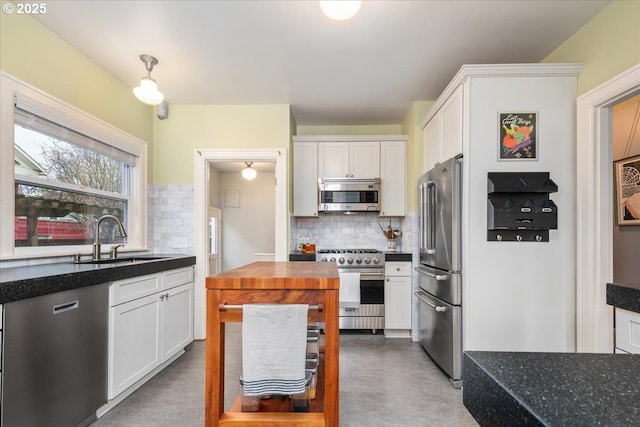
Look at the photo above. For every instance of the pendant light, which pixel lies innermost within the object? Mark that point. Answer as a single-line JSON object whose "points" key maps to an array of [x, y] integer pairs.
{"points": [[148, 92], [249, 173], [340, 10]]}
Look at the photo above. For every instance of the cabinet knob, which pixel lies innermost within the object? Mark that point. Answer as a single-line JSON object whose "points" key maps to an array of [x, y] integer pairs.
{"points": [[387, 279]]}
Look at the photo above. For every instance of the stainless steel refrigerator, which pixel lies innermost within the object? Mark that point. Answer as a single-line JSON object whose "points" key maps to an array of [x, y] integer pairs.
{"points": [[440, 269]]}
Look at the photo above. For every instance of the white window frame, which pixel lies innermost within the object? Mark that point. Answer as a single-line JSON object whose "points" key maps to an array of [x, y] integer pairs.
{"points": [[73, 118]]}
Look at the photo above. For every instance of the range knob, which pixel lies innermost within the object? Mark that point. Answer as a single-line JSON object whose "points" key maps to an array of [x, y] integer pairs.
{"points": [[376, 261], [350, 260], [332, 259], [358, 260], [324, 259], [367, 260], [341, 260]]}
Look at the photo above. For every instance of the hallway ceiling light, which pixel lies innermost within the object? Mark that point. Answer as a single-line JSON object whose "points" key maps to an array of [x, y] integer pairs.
{"points": [[249, 173], [148, 92], [340, 9]]}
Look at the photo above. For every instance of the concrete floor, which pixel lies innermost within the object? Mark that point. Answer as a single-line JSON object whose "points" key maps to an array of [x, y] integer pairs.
{"points": [[383, 382]]}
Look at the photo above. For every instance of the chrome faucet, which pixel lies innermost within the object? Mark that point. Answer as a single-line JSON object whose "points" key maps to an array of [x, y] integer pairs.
{"points": [[96, 241]]}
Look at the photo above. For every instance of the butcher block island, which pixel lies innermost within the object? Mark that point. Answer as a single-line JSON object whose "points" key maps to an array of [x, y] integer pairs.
{"points": [[315, 284]]}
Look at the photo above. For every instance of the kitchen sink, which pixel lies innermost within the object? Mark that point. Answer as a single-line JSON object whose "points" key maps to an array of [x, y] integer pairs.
{"points": [[123, 260]]}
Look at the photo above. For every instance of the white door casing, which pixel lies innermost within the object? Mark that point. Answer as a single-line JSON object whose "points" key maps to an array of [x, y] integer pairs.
{"points": [[213, 253], [594, 219], [202, 158]]}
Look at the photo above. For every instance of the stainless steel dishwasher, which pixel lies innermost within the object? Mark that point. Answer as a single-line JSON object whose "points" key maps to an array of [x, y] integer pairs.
{"points": [[55, 358]]}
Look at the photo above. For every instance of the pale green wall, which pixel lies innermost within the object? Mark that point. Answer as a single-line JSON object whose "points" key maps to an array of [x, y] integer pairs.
{"points": [[607, 45], [37, 56], [213, 126], [350, 130], [415, 149]]}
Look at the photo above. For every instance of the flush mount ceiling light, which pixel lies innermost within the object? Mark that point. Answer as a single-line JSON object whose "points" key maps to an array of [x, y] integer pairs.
{"points": [[249, 173], [148, 92], [340, 9]]}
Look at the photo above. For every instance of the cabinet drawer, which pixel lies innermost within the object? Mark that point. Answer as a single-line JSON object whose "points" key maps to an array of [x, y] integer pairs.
{"points": [[396, 268], [136, 287], [628, 331], [173, 278]]}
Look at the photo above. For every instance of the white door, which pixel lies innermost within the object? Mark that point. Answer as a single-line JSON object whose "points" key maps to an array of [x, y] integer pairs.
{"points": [[215, 225]]}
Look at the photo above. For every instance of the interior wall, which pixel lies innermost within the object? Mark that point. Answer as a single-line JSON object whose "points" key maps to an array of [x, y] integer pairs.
{"points": [[32, 53], [607, 45], [214, 188], [249, 227], [626, 239], [415, 149], [192, 127]]}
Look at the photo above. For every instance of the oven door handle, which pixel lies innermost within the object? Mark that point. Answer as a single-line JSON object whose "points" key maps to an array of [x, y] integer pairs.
{"points": [[378, 275], [437, 308]]}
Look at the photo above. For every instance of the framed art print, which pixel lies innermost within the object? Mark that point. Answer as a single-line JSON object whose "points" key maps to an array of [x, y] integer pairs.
{"points": [[518, 136], [627, 182]]}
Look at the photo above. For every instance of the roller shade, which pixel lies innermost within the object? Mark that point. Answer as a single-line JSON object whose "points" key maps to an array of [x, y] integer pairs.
{"points": [[29, 114]]}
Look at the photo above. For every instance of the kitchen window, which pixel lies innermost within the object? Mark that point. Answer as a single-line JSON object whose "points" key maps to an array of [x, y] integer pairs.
{"points": [[69, 169]]}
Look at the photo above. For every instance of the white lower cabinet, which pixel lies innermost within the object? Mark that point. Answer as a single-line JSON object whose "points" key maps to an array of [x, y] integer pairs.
{"points": [[627, 331], [397, 299], [147, 327]]}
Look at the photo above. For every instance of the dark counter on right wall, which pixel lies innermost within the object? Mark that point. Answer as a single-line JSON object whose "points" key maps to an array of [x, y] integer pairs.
{"points": [[552, 389], [625, 296]]}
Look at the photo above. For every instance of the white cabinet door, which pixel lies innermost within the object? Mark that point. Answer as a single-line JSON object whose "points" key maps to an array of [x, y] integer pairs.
{"points": [[451, 122], [177, 319], [432, 139], [355, 159], [628, 331], [397, 302], [305, 179], [393, 175], [134, 342], [364, 159], [333, 160]]}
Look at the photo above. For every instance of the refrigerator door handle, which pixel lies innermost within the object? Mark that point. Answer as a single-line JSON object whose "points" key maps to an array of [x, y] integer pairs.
{"points": [[431, 217], [428, 273], [437, 308]]}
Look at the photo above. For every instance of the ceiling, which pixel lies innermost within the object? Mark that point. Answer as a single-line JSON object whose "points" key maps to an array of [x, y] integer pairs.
{"points": [[364, 71]]}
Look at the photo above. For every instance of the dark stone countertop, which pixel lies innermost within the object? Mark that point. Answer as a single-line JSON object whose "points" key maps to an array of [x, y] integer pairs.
{"points": [[552, 389], [18, 283], [626, 296], [298, 256], [398, 256]]}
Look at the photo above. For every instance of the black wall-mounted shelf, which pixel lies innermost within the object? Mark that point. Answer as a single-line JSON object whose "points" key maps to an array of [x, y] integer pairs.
{"points": [[519, 208]]}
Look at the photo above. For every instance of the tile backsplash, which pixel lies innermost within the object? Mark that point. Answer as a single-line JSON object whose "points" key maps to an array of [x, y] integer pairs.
{"points": [[359, 231], [171, 218]]}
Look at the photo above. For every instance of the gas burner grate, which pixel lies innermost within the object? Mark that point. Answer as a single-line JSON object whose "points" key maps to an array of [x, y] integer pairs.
{"points": [[349, 251]]}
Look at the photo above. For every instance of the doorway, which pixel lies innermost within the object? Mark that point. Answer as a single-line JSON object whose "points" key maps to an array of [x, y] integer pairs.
{"points": [[202, 160], [594, 219]]}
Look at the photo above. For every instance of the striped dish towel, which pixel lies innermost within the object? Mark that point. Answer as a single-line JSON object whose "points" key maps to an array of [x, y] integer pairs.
{"points": [[274, 342]]}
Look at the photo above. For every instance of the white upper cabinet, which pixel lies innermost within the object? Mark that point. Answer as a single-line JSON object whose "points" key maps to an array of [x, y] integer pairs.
{"points": [[349, 159], [443, 132], [305, 178], [364, 159], [350, 156], [451, 126], [393, 176], [432, 141]]}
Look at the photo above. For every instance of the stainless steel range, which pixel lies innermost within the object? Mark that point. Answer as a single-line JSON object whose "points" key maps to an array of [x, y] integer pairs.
{"points": [[369, 263]]}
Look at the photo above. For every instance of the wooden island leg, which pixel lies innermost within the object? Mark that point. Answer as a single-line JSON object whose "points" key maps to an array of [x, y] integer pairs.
{"points": [[332, 367], [214, 372]]}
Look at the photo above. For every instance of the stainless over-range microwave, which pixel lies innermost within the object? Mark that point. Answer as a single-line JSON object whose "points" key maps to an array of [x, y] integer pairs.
{"points": [[348, 195]]}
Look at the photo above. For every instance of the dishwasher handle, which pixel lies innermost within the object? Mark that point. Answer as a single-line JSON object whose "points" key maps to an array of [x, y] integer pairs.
{"points": [[437, 308], [61, 308]]}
